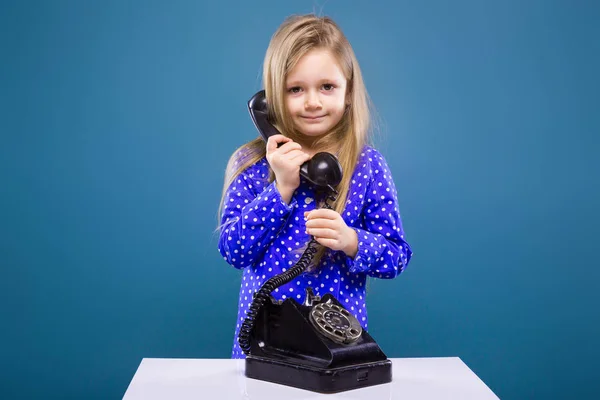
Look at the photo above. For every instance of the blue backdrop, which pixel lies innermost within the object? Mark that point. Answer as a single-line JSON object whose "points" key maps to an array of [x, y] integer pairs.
{"points": [[117, 119]]}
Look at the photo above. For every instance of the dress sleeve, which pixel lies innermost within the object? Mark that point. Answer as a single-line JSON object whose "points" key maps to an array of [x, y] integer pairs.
{"points": [[251, 220], [382, 250]]}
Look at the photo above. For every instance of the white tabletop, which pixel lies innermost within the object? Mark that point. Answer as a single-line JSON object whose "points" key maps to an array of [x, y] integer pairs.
{"points": [[412, 378]]}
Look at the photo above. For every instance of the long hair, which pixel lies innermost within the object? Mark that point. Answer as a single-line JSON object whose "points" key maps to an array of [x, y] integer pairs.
{"points": [[296, 36]]}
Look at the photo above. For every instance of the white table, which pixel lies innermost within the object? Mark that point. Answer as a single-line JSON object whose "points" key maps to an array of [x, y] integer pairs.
{"points": [[198, 379]]}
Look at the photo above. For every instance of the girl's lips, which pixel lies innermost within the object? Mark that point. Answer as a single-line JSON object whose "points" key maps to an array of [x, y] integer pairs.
{"points": [[317, 118]]}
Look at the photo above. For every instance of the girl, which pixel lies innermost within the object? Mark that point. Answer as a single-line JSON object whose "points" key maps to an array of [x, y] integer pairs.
{"points": [[318, 100]]}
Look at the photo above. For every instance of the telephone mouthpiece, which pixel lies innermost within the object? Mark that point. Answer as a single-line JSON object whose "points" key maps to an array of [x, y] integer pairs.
{"points": [[324, 169]]}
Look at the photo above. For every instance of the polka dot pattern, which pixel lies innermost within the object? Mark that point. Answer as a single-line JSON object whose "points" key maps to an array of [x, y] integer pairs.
{"points": [[263, 236]]}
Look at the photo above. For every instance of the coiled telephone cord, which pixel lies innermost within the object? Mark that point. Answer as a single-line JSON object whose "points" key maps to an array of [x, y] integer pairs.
{"points": [[262, 295]]}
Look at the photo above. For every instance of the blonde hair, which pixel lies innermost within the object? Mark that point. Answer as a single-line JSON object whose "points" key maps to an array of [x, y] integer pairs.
{"points": [[296, 36]]}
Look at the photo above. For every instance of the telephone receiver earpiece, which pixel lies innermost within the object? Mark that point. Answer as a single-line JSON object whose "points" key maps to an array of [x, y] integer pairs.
{"points": [[323, 169]]}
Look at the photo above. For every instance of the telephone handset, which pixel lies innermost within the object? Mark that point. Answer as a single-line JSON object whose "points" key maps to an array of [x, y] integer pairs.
{"points": [[323, 169], [317, 345]]}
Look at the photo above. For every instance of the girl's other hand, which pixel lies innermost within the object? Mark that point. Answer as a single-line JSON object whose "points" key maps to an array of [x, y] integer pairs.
{"points": [[329, 229]]}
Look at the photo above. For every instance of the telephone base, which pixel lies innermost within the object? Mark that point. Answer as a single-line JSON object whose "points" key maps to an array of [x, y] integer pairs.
{"points": [[322, 380]]}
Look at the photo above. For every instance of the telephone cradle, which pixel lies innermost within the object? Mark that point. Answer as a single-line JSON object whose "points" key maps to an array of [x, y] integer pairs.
{"points": [[317, 345]]}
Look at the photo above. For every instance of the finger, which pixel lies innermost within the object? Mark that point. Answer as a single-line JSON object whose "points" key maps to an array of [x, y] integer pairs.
{"points": [[323, 233], [299, 157], [321, 213], [289, 146], [330, 243], [293, 158], [321, 223], [290, 155], [274, 141]]}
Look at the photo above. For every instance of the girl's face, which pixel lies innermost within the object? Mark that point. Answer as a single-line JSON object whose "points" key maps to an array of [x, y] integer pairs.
{"points": [[316, 93]]}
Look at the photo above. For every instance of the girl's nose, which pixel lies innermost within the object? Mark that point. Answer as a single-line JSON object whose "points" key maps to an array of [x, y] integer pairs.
{"points": [[312, 101]]}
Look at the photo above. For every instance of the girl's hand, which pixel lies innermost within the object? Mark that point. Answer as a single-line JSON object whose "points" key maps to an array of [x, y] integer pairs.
{"points": [[285, 161], [330, 230]]}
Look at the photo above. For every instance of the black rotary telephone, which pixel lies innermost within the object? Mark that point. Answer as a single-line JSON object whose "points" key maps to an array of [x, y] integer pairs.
{"points": [[317, 345]]}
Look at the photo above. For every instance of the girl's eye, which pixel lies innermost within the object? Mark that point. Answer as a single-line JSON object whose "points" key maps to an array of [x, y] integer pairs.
{"points": [[295, 89], [328, 87]]}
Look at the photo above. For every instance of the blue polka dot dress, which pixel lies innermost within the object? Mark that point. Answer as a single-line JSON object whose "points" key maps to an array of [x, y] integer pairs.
{"points": [[263, 236]]}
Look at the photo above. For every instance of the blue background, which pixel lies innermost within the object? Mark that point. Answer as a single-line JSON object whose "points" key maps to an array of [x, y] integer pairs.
{"points": [[117, 119]]}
